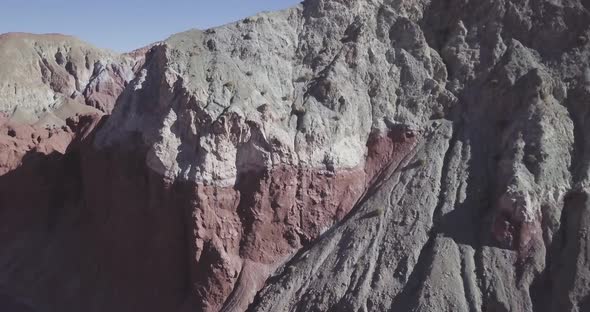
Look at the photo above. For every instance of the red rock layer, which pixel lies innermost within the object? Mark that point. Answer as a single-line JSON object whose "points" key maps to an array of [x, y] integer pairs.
{"points": [[115, 236], [18, 140], [515, 234], [102, 92], [251, 228], [38, 194]]}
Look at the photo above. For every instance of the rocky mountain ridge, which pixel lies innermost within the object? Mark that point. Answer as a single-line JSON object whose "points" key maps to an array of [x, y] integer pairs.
{"points": [[337, 156]]}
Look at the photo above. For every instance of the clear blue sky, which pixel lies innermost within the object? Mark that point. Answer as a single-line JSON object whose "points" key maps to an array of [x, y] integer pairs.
{"points": [[124, 25]]}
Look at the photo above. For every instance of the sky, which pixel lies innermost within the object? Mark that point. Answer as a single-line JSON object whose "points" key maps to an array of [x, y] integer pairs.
{"points": [[125, 25]]}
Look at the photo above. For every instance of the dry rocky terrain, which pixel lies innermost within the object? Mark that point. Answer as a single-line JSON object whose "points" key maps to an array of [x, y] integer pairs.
{"points": [[369, 155]]}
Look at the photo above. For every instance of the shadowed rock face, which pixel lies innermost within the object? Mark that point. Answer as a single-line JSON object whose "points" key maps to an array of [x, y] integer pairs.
{"points": [[336, 156], [191, 245], [10, 304]]}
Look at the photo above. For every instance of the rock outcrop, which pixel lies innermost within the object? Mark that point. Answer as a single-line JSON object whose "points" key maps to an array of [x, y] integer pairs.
{"points": [[40, 73], [337, 156]]}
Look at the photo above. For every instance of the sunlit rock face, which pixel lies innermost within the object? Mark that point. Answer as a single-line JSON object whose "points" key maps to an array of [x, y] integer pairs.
{"points": [[337, 156]]}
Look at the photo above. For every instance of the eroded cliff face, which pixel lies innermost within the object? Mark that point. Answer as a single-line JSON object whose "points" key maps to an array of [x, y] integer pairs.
{"points": [[41, 73], [337, 156], [485, 224]]}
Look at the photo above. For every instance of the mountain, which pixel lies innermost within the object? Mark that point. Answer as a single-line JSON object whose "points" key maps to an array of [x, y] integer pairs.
{"points": [[362, 155]]}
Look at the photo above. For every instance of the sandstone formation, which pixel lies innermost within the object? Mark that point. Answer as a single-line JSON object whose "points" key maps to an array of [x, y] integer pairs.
{"points": [[364, 155]]}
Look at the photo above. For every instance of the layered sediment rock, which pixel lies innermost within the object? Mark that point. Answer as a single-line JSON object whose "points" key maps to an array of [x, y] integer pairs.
{"points": [[490, 225], [40, 73], [336, 156]]}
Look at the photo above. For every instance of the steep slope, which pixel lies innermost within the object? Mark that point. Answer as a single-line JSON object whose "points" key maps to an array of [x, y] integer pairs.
{"points": [[276, 143], [52, 91], [494, 219], [341, 155]]}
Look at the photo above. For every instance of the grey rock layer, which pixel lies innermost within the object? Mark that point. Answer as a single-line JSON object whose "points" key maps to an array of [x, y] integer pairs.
{"points": [[494, 218], [313, 88], [488, 212], [499, 90]]}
